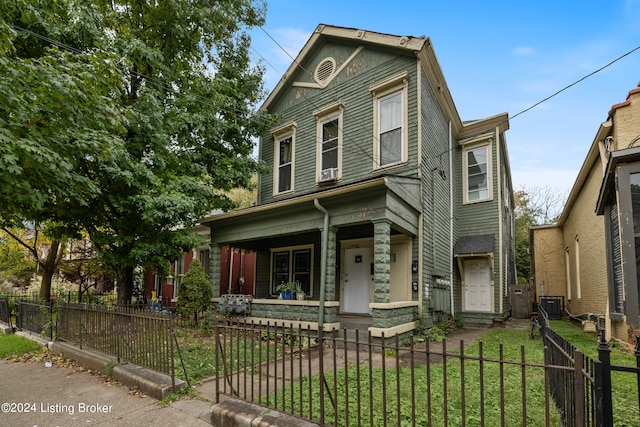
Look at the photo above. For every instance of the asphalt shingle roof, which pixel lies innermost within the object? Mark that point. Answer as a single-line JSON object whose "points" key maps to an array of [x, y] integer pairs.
{"points": [[480, 244]]}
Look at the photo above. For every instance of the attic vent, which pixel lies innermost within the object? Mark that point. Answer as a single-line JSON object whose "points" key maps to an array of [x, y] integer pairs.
{"points": [[325, 70]]}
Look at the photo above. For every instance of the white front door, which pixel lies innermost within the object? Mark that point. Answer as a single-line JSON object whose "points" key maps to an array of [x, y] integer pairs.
{"points": [[357, 280], [477, 285]]}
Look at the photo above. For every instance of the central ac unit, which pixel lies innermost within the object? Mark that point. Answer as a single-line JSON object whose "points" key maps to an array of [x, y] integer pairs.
{"points": [[330, 174]]}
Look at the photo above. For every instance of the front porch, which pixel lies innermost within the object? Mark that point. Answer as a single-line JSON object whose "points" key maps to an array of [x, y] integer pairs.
{"points": [[354, 251], [388, 319]]}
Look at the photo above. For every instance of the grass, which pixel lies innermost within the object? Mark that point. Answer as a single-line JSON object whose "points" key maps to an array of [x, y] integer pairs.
{"points": [[198, 351], [379, 401], [626, 410], [15, 345], [438, 397]]}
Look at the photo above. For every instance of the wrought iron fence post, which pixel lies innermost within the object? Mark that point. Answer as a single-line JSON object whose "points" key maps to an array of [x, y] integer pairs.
{"points": [[604, 405], [321, 371], [173, 368], [578, 388]]}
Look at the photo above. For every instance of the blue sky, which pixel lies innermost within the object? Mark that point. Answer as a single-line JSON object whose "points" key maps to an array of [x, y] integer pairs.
{"points": [[498, 56]]}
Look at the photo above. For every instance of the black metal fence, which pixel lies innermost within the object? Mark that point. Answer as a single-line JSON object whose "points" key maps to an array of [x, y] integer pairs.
{"points": [[138, 336], [86, 297], [583, 392], [5, 312], [35, 317], [345, 378]]}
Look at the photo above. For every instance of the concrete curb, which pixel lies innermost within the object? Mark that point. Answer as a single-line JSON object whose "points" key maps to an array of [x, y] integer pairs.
{"points": [[151, 383], [235, 412]]}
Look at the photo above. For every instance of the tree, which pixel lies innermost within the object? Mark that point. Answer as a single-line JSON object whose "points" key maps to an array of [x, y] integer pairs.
{"points": [[194, 293], [57, 119], [188, 97], [175, 108], [16, 265], [534, 206]]}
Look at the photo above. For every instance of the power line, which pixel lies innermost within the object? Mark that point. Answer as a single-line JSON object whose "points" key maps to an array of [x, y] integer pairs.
{"points": [[576, 82]]}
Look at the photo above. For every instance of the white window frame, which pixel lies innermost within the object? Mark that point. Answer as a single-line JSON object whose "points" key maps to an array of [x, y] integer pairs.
{"points": [[325, 115], [567, 260], [290, 250], [578, 284], [487, 146], [281, 134], [382, 91]]}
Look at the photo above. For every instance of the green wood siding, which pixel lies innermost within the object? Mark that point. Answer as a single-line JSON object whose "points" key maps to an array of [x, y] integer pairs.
{"points": [[436, 254], [351, 88]]}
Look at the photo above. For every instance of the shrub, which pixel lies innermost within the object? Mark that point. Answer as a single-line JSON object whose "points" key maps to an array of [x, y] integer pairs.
{"points": [[194, 294]]}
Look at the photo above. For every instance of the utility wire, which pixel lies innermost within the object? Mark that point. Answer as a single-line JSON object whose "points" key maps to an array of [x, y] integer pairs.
{"points": [[576, 82]]}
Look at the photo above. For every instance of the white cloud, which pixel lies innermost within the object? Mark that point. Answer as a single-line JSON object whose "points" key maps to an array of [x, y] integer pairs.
{"points": [[524, 51]]}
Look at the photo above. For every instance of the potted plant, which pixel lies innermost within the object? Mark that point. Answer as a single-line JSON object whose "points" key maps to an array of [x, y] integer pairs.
{"points": [[286, 290], [300, 293]]}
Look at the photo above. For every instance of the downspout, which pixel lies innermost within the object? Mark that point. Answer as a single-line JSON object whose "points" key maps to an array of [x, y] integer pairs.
{"points": [[451, 220], [323, 261]]}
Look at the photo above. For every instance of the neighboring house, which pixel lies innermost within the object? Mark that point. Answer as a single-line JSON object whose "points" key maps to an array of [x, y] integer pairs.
{"points": [[588, 257], [381, 202], [237, 272]]}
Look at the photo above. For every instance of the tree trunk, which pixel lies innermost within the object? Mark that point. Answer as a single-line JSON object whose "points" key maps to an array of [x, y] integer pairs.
{"points": [[48, 270], [125, 286]]}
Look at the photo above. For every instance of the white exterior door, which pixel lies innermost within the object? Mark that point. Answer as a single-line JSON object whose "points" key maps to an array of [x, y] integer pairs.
{"points": [[477, 285], [357, 280]]}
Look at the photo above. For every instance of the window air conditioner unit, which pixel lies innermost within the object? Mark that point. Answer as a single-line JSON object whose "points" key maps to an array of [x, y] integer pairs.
{"points": [[330, 174]]}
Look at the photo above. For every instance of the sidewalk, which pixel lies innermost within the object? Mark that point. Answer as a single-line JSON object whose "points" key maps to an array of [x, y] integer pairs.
{"points": [[32, 394]]}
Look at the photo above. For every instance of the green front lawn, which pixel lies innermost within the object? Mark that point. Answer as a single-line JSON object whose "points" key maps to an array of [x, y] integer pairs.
{"points": [[14, 345]]}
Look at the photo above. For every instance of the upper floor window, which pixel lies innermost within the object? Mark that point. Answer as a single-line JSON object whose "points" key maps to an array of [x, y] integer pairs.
{"points": [[390, 118], [390, 129], [477, 179], [283, 159], [285, 164], [328, 154]]}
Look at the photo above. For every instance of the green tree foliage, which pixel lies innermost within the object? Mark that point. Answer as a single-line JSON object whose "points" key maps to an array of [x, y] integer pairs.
{"points": [[158, 94], [534, 206], [16, 266], [194, 293]]}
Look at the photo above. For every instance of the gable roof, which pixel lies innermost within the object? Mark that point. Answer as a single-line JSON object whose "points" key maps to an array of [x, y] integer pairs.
{"points": [[421, 47]]}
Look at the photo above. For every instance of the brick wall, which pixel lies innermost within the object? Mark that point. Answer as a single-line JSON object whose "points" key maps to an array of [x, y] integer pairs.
{"points": [[583, 235], [548, 261]]}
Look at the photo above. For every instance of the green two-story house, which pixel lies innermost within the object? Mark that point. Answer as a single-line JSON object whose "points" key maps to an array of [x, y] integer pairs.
{"points": [[381, 202]]}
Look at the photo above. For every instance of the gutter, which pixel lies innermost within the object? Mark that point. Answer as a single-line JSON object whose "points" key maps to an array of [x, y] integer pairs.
{"points": [[323, 261]]}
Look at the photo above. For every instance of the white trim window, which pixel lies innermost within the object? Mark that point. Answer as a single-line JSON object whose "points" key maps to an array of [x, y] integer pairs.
{"points": [[292, 264], [390, 129], [329, 140], [284, 159], [329, 147], [390, 122], [477, 179]]}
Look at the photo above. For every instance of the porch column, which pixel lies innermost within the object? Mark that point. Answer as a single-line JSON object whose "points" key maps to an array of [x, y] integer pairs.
{"points": [[381, 261], [330, 279], [215, 261]]}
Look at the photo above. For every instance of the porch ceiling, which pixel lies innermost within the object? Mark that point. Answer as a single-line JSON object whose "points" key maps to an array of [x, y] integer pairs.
{"points": [[393, 199]]}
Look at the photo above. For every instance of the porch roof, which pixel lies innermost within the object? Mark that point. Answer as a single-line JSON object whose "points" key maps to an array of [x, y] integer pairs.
{"points": [[470, 245], [392, 198]]}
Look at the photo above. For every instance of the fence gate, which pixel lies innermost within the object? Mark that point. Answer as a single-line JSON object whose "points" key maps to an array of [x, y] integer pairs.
{"points": [[521, 301]]}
